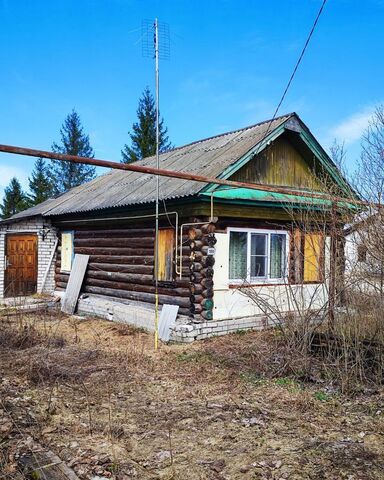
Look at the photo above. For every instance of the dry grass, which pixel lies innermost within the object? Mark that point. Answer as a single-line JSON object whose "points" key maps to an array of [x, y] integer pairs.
{"points": [[227, 408]]}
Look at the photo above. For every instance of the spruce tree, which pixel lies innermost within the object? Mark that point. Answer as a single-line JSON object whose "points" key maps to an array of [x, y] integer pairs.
{"points": [[39, 184], [143, 135], [15, 200], [65, 175]]}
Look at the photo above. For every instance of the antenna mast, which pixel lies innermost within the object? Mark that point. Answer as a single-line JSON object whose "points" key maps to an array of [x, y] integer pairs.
{"points": [[157, 187], [158, 33]]}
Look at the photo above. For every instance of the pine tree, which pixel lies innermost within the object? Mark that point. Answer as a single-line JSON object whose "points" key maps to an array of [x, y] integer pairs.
{"points": [[39, 183], [143, 135], [65, 175], [15, 200]]}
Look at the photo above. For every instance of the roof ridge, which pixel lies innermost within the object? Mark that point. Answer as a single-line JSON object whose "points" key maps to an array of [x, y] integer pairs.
{"points": [[195, 142]]}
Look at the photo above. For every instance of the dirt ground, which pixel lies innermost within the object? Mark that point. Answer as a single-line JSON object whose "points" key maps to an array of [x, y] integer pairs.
{"points": [[98, 396]]}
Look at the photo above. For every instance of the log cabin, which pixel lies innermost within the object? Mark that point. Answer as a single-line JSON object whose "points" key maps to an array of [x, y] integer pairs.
{"points": [[215, 243]]}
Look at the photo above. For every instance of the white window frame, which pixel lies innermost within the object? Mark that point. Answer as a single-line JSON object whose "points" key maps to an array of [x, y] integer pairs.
{"points": [[266, 278]]}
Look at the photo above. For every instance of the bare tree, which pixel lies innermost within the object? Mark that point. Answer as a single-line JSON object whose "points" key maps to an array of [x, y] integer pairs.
{"points": [[370, 172], [366, 233]]}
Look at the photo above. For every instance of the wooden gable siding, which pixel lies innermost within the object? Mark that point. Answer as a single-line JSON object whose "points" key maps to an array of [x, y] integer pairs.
{"points": [[281, 164]]}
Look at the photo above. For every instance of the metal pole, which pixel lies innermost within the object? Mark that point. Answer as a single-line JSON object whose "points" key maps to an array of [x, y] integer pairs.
{"points": [[157, 187], [131, 167]]}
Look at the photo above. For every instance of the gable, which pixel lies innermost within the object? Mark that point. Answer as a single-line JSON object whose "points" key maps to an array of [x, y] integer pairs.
{"points": [[280, 164]]}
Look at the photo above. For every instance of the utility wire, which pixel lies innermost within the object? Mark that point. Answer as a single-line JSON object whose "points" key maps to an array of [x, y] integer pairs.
{"points": [[295, 69]]}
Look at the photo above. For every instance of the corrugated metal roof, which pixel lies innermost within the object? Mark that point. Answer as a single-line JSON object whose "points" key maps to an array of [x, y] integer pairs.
{"points": [[117, 188]]}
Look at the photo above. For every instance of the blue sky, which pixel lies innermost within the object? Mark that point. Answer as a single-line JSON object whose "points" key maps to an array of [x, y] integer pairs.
{"points": [[230, 61]]}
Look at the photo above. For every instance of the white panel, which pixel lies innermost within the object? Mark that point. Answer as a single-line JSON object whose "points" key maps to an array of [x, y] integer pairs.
{"points": [[167, 321], [221, 268], [66, 251]]}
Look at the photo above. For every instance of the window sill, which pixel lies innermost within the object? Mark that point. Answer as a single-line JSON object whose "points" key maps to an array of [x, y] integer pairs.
{"points": [[271, 284], [261, 284]]}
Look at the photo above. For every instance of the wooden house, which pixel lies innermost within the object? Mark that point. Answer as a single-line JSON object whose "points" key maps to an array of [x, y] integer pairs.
{"points": [[213, 240], [364, 252]]}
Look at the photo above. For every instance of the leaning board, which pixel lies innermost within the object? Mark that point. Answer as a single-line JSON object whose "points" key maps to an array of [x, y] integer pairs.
{"points": [[74, 283], [167, 321]]}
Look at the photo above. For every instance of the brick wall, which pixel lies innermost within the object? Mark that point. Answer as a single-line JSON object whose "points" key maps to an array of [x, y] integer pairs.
{"points": [[44, 252]]}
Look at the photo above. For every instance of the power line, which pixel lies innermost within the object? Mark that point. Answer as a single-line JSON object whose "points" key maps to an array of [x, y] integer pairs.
{"points": [[295, 69]]}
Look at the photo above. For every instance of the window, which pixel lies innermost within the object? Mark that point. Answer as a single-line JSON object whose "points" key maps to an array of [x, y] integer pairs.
{"points": [[66, 251], [166, 254], [257, 255]]}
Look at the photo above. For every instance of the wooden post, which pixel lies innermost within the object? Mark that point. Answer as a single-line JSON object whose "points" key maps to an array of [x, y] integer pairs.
{"points": [[332, 271]]}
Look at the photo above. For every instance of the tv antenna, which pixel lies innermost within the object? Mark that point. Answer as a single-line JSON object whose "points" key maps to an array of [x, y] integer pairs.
{"points": [[155, 44]]}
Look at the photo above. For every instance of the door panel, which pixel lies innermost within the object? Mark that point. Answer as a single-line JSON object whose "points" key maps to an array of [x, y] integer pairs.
{"points": [[21, 267]]}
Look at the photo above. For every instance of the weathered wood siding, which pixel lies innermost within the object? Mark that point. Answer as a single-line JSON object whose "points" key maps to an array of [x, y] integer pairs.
{"points": [[281, 164], [121, 265], [166, 254], [313, 248]]}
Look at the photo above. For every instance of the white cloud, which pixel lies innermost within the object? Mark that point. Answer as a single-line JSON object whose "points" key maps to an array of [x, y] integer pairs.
{"points": [[7, 172], [352, 128]]}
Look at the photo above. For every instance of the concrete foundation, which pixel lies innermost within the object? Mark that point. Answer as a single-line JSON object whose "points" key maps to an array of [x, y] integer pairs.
{"points": [[142, 316]]}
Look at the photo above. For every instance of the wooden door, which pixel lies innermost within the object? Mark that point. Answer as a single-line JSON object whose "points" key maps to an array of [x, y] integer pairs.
{"points": [[21, 265]]}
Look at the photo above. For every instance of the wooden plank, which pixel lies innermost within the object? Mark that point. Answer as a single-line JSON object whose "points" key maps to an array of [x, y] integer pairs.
{"points": [[282, 165], [74, 283], [313, 245], [166, 251], [46, 465], [167, 321]]}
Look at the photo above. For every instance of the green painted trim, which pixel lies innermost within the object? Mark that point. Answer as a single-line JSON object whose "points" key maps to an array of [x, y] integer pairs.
{"points": [[259, 147], [307, 138], [320, 153], [247, 196]]}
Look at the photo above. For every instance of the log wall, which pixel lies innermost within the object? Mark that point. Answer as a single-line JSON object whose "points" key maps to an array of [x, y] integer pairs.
{"points": [[201, 266], [121, 265]]}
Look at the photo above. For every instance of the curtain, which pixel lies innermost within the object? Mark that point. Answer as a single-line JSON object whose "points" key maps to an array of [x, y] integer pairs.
{"points": [[238, 255], [277, 252]]}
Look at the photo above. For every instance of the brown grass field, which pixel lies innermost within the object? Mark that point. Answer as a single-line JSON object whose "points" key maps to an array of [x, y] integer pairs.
{"points": [[97, 395]]}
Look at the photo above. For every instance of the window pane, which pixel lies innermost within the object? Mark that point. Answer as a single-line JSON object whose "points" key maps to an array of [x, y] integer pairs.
{"points": [[258, 266], [238, 255], [278, 256], [258, 244]]}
